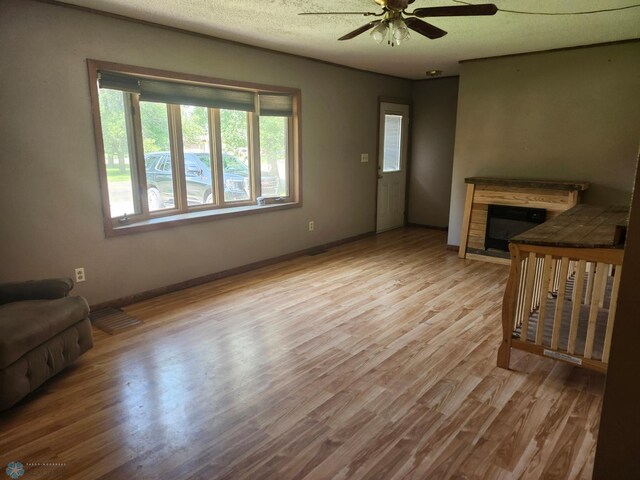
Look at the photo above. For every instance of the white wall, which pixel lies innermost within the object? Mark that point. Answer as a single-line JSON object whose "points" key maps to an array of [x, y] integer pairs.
{"points": [[50, 207], [565, 115], [433, 130]]}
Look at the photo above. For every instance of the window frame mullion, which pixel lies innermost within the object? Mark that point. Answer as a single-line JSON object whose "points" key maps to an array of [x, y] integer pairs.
{"points": [[254, 156], [216, 140], [290, 161], [177, 155], [142, 198], [215, 189]]}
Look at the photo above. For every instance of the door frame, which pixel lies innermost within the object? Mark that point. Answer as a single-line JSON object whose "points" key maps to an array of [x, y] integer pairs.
{"points": [[409, 104]]}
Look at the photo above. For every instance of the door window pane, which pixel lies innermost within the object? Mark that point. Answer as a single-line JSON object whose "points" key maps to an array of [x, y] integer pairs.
{"points": [[234, 133], [392, 141], [157, 156], [273, 156], [197, 159], [116, 152]]}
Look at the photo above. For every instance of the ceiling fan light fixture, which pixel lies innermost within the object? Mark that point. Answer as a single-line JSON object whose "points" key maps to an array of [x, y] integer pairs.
{"points": [[400, 31], [379, 33], [395, 27]]}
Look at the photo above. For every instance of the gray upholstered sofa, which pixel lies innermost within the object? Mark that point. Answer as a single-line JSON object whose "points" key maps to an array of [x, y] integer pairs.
{"points": [[42, 330]]}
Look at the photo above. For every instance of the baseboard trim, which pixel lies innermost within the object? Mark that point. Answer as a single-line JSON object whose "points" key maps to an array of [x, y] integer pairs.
{"points": [[156, 292], [453, 248], [487, 258], [430, 227]]}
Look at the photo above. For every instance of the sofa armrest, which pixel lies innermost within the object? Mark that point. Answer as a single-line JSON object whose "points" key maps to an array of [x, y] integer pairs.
{"points": [[47, 289]]}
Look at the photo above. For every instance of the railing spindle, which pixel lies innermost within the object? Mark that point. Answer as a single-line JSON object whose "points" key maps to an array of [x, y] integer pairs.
{"points": [[524, 265], [553, 280], [599, 283], [606, 272], [557, 319], [536, 287], [532, 262], [544, 290], [612, 313], [577, 302], [591, 267]]}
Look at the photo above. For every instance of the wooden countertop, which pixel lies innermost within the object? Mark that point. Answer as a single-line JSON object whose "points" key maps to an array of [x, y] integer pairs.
{"points": [[528, 183], [583, 226]]}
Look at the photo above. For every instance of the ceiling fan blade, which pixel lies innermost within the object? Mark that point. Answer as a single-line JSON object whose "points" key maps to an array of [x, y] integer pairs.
{"points": [[366, 14], [383, 3], [424, 28], [360, 30], [456, 10]]}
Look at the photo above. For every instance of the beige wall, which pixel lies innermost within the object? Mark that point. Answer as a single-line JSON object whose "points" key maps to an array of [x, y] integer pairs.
{"points": [[433, 130], [50, 210], [570, 115]]}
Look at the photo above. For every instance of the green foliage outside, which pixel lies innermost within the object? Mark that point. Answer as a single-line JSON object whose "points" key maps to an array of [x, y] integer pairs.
{"points": [[114, 129], [234, 132], [273, 142], [155, 126], [116, 175], [195, 128]]}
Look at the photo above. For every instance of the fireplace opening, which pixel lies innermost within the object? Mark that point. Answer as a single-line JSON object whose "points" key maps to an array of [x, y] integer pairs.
{"points": [[505, 222]]}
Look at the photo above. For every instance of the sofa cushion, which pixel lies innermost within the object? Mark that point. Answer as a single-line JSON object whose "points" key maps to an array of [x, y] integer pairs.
{"points": [[46, 289], [26, 325], [38, 365]]}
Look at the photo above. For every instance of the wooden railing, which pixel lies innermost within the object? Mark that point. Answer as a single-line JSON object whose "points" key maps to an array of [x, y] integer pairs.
{"points": [[561, 303]]}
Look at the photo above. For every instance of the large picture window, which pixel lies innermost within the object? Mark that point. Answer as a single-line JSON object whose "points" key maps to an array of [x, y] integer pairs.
{"points": [[174, 148]]}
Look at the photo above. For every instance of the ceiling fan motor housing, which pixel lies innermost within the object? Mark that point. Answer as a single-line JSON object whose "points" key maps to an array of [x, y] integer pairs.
{"points": [[395, 5]]}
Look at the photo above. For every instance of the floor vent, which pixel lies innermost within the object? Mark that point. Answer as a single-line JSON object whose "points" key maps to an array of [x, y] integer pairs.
{"points": [[113, 320]]}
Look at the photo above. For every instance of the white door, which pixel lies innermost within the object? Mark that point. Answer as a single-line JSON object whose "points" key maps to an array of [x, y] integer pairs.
{"points": [[392, 165]]}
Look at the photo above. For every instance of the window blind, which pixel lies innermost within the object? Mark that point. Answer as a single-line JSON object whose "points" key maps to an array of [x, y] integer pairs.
{"points": [[152, 90], [197, 95], [118, 81], [276, 104]]}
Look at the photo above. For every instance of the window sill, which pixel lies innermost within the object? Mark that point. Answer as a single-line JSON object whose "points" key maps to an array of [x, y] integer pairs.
{"points": [[170, 221]]}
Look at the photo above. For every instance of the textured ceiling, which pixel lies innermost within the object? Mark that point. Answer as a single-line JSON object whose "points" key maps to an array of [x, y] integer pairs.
{"points": [[274, 24]]}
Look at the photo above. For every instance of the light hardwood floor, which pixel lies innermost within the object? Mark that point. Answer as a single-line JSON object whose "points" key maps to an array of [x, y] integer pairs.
{"points": [[374, 360]]}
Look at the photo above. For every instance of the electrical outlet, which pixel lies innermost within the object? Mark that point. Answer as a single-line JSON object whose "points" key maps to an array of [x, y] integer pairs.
{"points": [[312, 226], [80, 275], [364, 158]]}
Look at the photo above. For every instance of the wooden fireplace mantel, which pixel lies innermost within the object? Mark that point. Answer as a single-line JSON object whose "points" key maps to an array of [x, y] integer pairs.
{"points": [[552, 195]]}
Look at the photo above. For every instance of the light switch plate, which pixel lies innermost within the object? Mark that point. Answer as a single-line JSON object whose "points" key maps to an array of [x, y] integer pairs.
{"points": [[364, 158]]}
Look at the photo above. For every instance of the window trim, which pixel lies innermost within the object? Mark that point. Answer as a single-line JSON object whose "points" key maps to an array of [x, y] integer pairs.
{"points": [[149, 221]]}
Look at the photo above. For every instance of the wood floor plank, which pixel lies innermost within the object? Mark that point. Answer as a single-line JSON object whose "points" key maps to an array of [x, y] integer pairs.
{"points": [[375, 359]]}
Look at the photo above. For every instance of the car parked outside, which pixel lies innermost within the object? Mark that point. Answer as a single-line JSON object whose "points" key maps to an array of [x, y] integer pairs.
{"points": [[198, 179]]}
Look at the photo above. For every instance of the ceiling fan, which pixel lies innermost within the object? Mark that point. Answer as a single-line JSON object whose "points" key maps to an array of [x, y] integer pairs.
{"points": [[396, 21]]}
